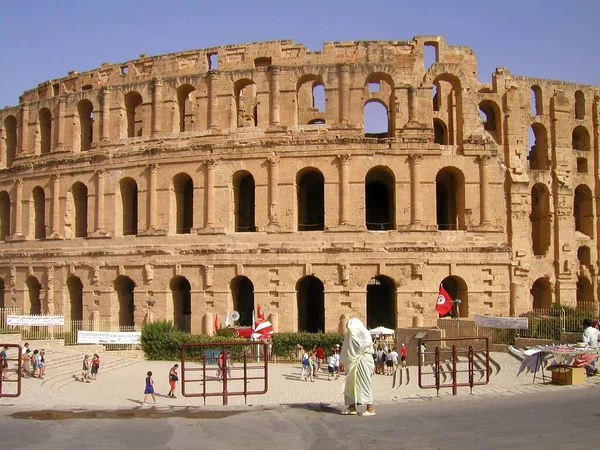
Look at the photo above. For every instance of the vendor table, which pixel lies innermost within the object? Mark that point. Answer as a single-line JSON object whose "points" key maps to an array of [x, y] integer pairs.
{"points": [[562, 357]]}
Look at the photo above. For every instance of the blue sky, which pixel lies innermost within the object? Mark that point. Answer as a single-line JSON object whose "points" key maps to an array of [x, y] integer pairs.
{"points": [[44, 39]]}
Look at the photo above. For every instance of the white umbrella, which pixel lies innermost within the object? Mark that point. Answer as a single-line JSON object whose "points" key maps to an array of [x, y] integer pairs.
{"points": [[382, 330]]}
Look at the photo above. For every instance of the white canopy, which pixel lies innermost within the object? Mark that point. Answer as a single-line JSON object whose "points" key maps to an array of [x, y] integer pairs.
{"points": [[382, 330]]}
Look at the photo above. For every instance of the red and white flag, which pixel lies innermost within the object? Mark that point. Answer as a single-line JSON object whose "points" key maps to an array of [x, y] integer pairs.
{"points": [[444, 302], [216, 322], [263, 330], [260, 315]]}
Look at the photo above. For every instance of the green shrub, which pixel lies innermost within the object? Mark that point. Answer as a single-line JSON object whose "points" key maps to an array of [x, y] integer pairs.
{"points": [[285, 344]]}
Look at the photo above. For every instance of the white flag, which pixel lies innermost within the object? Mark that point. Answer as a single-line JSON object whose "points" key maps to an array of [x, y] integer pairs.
{"points": [[227, 320]]}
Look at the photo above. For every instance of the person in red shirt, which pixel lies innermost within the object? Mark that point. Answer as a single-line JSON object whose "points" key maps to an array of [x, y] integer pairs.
{"points": [[319, 356], [403, 353]]}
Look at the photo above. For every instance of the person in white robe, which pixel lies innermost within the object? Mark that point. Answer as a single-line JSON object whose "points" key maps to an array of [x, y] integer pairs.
{"points": [[357, 358]]}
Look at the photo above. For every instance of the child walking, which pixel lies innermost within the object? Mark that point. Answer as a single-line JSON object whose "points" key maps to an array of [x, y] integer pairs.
{"points": [[149, 388]]}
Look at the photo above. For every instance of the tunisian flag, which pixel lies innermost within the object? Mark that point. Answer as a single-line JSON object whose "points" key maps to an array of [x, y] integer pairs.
{"points": [[444, 302], [260, 315]]}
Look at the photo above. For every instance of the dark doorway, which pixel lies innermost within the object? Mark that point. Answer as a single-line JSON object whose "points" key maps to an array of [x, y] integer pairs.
{"points": [[75, 287], [311, 305], [182, 303], [242, 291], [381, 303], [124, 287]]}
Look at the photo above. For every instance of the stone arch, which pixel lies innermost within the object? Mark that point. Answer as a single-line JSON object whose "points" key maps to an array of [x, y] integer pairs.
{"points": [[4, 215], [244, 201], [183, 190], [79, 191], [39, 212], [541, 291], [536, 101], [124, 287], [33, 302], [134, 114], [585, 292], [538, 155], [440, 132], [246, 103], [379, 87], [579, 105], [10, 127], [583, 210], [580, 139], [376, 119], [308, 90], [491, 119], [381, 302], [584, 256], [310, 199], [129, 206], [182, 303], [380, 201], [450, 102], [540, 219], [458, 290], [185, 107], [75, 287], [450, 199], [85, 111], [45, 129], [242, 293], [310, 293]]}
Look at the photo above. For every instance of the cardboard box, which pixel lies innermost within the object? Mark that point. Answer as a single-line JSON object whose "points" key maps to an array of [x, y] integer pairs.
{"points": [[568, 375]]}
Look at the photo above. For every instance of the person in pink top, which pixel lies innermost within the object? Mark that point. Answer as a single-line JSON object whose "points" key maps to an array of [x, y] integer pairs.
{"points": [[403, 353], [319, 357]]}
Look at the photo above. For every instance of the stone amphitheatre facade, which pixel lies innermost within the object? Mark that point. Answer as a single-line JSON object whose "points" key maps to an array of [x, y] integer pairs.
{"points": [[188, 185]]}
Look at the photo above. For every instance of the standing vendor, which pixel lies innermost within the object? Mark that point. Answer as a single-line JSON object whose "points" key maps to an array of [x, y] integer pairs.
{"points": [[590, 339]]}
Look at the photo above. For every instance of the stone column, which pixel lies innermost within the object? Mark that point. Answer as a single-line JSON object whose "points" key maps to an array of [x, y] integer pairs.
{"points": [[344, 188], [60, 129], [157, 105], [273, 188], [100, 178], [55, 204], [343, 92], [3, 155], [105, 134], [210, 193], [275, 96], [18, 208], [48, 308], [413, 103], [152, 197], [416, 211], [24, 126], [213, 105], [484, 190]]}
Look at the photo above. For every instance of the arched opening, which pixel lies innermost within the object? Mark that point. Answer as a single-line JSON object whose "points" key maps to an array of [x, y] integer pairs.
{"points": [[133, 102], [311, 304], [2, 301], [75, 287], [536, 101], [584, 256], [129, 200], [246, 103], [33, 304], [376, 119], [540, 219], [185, 102], [310, 100], [381, 302], [379, 198], [449, 105], [436, 99], [39, 213], [541, 292], [45, 118], [183, 187], [450, 199], [579, 105], [440, 132], [124, 287], [80, 202], [10, 127], [581, 139], [244, 201], [585, 293], [182, 303], [379, 105], [457, 289], [242, 293], [490, 116], [4, 215], [311, 200], [583, 210], [538, 155], [86, 123], [318, 96]]}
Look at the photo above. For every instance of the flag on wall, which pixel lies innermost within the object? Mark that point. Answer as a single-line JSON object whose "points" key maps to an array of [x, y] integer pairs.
{"points": [[444, 302], [260, 314], [216, 322]]}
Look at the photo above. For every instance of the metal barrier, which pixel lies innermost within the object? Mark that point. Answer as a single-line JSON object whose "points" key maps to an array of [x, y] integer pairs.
{"points": [[11, 386], [456, 371], [224, 369]]}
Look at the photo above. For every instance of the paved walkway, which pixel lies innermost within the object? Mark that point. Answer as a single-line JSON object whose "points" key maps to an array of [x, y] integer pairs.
{"points": [[120, 384]]}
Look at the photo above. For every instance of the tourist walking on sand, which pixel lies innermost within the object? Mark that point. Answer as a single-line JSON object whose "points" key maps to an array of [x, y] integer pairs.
{"points": [[95, 365], [26, 363], [4, 363], [36, 363], [149, 388], [403, 353], [173, 379], [42, 363], [85, 369], [357, 358]]}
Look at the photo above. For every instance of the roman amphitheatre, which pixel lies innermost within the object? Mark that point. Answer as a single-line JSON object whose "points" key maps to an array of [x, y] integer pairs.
{"points": [[188, 185]]}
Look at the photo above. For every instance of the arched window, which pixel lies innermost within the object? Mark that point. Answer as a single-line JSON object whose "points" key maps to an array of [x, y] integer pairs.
{"points": [[246, 103], [457, 289], [45, 118], [541, 292], [4, 215], [376, 119], [491, 116], [86, 124], [585, 293], [538, 156], [311, 200], [450, 199], [242, 293], [185, 101], [182, 303], [540, 219], [436, 99], [129, 202], [381, 302], [440, 132], [244, 201], [583, 210], [380, 199], [584, 256], [80, 203], [581, 139], [449, 91], [124, 287], [133, 102], [379, 105], [33, 303], [579, 105], [536, 101], [310, 100], [10, 127], [183, 187], [39, 213], [311, 304], [75, 287]]}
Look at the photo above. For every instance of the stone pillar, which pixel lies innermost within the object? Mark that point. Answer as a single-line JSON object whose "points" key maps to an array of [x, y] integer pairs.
{"points": [[157, 105], [55, 204], [60, 129], [344, 188], [484, 190], [24, 126], [3, 155], [344, 94], [213, 104], [100, 179], [210, 193], [152, 197], [48, 308], [105, 134], [275, 97], [413, 103], [208, 324], [416, 211], [18, 208], [273, 189]]}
